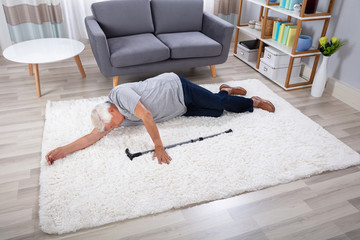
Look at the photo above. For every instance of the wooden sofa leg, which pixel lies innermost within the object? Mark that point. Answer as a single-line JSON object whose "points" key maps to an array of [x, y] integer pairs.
{"points": [[213, 71], [115, 81]]}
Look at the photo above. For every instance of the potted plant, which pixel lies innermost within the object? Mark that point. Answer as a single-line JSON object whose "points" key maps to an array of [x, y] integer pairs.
{"points": [[327, 48]]}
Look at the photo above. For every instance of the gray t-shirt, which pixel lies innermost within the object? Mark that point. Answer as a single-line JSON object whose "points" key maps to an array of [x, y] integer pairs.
{"points": [[162, 95]]}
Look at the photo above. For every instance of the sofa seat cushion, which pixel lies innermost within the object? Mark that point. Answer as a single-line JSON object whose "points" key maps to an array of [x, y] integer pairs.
{"points": [[123, 18], [136, 50], [190, 45]]}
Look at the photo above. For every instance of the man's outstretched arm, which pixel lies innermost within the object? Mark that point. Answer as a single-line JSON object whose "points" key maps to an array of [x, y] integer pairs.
{"points": [[79, 144], [149, 123]]}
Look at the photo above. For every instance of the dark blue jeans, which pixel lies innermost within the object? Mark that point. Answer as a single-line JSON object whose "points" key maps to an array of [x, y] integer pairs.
{"points": [[201, 102]]}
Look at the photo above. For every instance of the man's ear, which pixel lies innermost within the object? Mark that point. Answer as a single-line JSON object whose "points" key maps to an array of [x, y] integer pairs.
{"points": [[111, 108]]}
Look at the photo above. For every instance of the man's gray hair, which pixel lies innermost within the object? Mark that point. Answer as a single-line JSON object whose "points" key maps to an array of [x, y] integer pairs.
{"points": [[100, 116]]}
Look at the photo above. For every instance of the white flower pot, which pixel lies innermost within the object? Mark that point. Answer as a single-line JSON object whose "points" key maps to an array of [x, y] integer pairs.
{"points": [[320, 78]]}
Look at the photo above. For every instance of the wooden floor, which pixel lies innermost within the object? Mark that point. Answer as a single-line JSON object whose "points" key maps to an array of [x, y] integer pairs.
{"points": [[321, 207]]}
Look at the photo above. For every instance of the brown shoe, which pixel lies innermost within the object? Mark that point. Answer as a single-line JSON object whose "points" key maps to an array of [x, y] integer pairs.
{"points": [[233, 90], [264, 104]]}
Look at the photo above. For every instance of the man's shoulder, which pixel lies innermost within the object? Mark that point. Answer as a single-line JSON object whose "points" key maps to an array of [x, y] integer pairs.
{"points": [[168, 76], [124, 85], [163, 78], [121, 89]]}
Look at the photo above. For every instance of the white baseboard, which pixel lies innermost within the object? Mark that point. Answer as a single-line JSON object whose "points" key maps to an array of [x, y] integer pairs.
{"points": [[339, 89], [344, 92]]}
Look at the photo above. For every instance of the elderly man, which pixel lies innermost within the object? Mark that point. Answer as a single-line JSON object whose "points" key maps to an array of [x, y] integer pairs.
{"points": [[158, 99]]}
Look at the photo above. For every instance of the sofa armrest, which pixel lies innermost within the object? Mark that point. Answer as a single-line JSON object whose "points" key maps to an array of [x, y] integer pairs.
{"points": [[99, 45], [218, 29]]}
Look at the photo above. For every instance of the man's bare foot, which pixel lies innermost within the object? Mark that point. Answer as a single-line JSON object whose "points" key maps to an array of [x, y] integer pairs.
{"points": [[263, 104], [233, 90]]}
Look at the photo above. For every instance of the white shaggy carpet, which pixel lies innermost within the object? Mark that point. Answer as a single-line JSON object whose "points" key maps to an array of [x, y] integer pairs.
{"points": [[100, 184]]}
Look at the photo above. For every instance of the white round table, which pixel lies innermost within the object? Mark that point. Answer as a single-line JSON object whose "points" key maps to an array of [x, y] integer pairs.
{"points": [[45, 50]]}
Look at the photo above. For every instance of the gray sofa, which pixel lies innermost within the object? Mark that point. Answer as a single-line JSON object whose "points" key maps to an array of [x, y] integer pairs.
{"points": [[138, 36]]}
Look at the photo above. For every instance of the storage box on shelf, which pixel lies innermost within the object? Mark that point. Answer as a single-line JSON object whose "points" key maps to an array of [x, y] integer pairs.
{"points": [[248, 51], [278, 75], [276, 58], [274, 65], [249, 55], [294, 55]]}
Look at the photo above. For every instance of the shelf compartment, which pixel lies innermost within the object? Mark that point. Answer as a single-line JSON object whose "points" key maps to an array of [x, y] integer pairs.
{"points": [[296, 82], [291, 13], [251, 64], [269, 41], [299, 83]]}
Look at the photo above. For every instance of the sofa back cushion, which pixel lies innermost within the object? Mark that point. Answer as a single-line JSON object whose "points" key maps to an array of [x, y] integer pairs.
{"points": [[172, 16], [123, 17]]}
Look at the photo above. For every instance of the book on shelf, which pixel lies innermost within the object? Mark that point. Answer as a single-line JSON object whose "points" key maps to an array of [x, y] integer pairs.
{"points": [[274, 29], [281, 32], [278, 29], [291, 36], [286, 33], [287, 5], [282, 29], [283, 3]]}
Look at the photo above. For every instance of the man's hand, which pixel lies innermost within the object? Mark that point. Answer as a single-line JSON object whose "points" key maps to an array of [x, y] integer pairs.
{"points": [[55, 154], [149, 123], [161, 155], [79, 144]]}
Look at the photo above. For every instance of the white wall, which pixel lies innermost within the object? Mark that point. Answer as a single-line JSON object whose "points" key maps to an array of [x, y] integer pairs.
{"points": [[345, 64]]}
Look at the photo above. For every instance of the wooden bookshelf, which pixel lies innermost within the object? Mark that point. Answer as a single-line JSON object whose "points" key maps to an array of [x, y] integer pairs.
{"points": [[265, 7]]}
